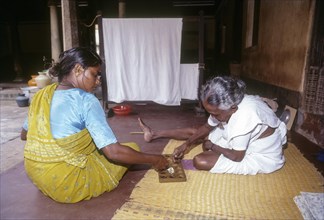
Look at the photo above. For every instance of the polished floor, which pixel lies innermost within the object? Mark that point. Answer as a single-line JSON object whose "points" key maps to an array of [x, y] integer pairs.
{"points": [[21, 200]]}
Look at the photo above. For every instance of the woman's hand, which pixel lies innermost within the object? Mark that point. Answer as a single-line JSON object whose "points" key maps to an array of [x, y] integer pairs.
{"points": [[161, 163], [207, 145], [179, 152], [23, 135]]}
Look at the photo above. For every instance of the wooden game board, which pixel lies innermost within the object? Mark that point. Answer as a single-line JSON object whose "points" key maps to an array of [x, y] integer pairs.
{"points": [[178, 174]]}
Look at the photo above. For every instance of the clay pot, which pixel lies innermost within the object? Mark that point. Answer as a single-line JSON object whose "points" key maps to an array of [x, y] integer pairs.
{"points": [[22, 100], [32, 81], [43, 80]]}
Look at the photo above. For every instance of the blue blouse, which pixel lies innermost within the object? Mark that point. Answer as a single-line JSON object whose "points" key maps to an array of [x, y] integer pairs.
{"points": [[73, 110]]}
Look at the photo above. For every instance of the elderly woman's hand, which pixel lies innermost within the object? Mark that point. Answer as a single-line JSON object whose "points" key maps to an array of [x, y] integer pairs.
{"points": [[207, 145], [179, 152]]}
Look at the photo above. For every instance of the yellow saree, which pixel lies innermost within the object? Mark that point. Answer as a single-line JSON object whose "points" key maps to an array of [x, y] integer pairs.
{"points": [[69, 169]]}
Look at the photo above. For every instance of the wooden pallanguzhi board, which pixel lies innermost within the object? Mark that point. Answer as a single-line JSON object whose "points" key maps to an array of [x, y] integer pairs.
{"points": [[174, 174]]}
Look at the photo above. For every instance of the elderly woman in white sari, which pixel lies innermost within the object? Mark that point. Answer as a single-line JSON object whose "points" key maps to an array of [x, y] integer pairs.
{"points": [[71, 153], [242, 135]]}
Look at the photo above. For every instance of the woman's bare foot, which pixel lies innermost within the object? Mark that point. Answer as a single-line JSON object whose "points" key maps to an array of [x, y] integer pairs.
{"points": [[148, 134]]}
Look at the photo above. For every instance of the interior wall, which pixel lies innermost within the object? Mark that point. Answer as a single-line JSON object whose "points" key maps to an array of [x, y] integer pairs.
{"points": [[279, 56], [276, 62]]}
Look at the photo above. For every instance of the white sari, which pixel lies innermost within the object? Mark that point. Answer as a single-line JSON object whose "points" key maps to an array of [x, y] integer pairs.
{"points": [[264, 155]]}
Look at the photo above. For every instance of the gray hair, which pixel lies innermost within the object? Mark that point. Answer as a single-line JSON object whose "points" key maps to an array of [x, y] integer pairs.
{"points": [[223, 92]]}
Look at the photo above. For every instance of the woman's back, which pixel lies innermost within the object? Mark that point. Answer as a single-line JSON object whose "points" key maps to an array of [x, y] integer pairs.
{"points": [[73, 110]]}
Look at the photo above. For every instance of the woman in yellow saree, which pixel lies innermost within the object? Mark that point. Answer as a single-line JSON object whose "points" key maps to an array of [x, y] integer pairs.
{"points": [[71, 153]]}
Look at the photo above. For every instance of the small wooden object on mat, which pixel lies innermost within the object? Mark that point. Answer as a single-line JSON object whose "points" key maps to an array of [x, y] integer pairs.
{"points": [[175, 173]]}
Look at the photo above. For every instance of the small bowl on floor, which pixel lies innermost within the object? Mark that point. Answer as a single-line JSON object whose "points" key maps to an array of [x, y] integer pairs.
{"points": [[122, 109]]}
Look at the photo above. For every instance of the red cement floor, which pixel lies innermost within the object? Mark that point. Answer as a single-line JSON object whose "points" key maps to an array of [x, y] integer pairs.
{"points": [[20, 199]]}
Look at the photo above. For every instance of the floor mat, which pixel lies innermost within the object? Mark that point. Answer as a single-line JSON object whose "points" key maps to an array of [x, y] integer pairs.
{"points": [[219, 196]]}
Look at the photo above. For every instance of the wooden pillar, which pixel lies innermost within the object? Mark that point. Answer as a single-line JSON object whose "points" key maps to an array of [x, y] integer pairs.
{"points": [[104, 88], [70, 24], [201, 47], [55, 33], [122, 8]]}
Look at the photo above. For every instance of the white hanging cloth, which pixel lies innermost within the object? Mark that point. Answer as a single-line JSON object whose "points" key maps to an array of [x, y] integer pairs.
{"points": [[142, 58], [189, 81]]}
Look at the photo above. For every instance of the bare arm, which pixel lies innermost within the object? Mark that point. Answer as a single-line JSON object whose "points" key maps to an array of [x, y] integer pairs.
{"points": [[201, 133], [23, 134], [126, 155], [234, 155]]}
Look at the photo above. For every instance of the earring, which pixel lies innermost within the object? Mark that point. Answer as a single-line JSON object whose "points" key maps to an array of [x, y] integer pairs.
{"points": [[78, 71]]}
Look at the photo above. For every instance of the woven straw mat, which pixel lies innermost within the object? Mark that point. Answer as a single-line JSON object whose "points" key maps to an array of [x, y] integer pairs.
{"points": [[224, 196]]}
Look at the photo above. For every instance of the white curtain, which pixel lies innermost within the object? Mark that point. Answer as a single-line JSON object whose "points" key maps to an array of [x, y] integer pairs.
{"points": [[189, 81], [143, 59]]}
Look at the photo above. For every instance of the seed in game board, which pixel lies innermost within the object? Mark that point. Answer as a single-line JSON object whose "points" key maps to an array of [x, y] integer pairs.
{"points": [[170, 170]]}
